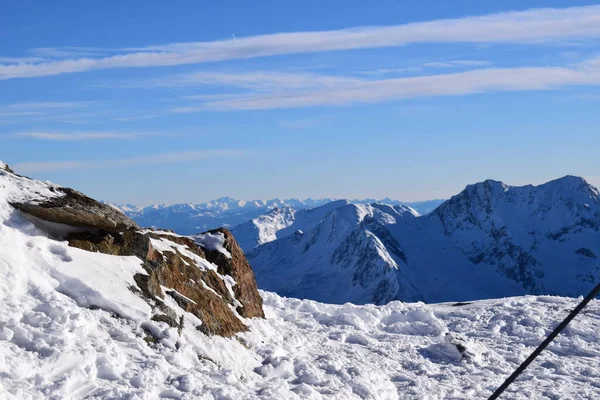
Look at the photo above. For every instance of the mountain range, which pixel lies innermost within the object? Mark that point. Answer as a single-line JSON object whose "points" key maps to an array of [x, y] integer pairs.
{"points": [[490, 240], [190, 218]]}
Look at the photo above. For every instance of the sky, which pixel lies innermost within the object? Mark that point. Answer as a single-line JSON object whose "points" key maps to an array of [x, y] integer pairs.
{"points": [[164, 102]]}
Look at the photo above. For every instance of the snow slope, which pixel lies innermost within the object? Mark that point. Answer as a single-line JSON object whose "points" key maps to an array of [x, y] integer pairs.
{"points": [[70, 328], [263, 228], [280, 223], [491, 240], [340, 259]]}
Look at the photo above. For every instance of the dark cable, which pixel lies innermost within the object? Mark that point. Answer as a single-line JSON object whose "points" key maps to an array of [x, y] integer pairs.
{"points": [[546, 342]]}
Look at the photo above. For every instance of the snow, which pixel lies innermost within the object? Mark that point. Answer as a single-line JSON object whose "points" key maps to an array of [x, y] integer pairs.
{"points": [[492, 240], [212, 242], [337, 259], [189, 219], [70, 328], [18, 189], [159, 232], [410, 350], [163, 244], [283, 222]]}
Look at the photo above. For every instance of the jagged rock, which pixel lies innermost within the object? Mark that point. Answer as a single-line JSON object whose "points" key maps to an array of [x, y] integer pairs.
{"points": [[73, 208], [202, 292], [6, 168], [239, 269]]}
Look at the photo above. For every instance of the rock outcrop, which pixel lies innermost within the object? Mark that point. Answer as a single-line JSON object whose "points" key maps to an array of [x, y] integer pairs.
{"points": [[236, 265], [73, 208], [6, 168], [176, 269], [182, 276]]}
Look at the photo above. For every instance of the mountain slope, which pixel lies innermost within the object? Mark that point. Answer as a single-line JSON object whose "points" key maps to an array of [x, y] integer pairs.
{"points": [[341, 256], [491, 240], [281, 222], [264, 228]]}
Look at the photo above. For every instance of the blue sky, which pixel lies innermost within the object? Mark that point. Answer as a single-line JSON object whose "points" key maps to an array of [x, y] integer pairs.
{"points": [[149, 102]]}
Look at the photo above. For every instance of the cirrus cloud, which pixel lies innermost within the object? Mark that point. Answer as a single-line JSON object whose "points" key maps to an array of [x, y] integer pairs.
{"points": [[532, 26], [165, 158]]}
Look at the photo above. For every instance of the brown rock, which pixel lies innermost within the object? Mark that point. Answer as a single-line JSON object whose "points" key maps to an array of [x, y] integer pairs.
{"points": [[182, 277], [76, 209], [8, 169], [239, 269]]}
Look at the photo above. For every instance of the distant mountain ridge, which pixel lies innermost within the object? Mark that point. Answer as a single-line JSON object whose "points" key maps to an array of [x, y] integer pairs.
{"points": [[189, 218], [490, 240]]}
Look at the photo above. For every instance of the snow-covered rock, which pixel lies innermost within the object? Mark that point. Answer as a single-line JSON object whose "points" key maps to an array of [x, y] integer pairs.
{"points": [[215, 290], [491, 240]]}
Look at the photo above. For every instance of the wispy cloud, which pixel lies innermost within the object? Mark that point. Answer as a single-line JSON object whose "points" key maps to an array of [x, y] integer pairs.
{"points": [[37, 106], [421, 67], [457, 64], [81, 136], [39, 109], [19, 113], [257, 80], [136, 117], [385, 90], [389, 71], [532, 26], [300, 123], [79, 112], [166, 158], [212, 97], [17, 60], [70, 51]]}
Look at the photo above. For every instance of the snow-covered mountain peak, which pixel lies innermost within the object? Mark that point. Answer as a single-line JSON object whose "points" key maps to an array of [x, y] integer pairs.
{"points": [[399, 209], [551, 205], [573, 187]]}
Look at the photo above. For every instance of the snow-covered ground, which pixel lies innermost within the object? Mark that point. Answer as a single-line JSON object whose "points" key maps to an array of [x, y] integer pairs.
{"points": [[52, 348]]}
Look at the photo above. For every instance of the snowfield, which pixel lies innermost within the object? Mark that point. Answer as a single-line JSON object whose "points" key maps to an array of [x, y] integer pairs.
{"points": [[70, 328]]}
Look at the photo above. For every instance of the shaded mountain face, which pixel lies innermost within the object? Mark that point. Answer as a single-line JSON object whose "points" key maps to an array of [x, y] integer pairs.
{"points": [[491, 240], [188, 218]]}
